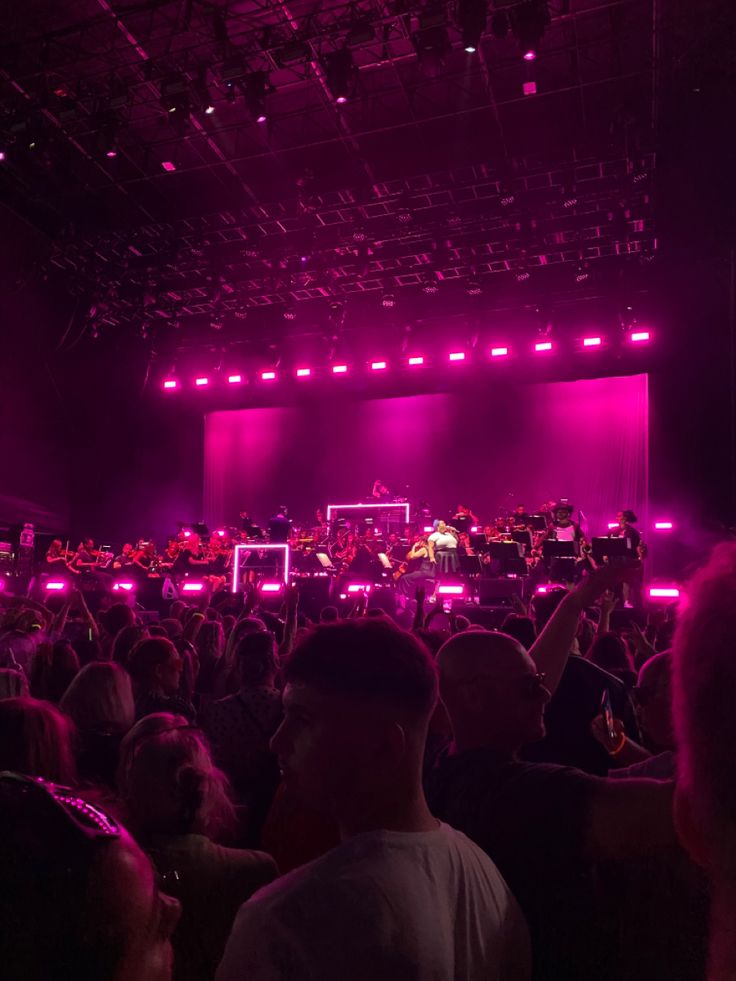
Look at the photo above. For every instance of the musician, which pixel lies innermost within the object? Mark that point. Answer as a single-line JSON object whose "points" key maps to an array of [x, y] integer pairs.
{"points": [[125, 558], [190, 558], [491, 533], [86, 558], [519, 517], [442, 545], [421, 571], [341, 550], [144, 559], [380, 491], [626, 521], [170, 555], [464, 518], [57, 558], [563, 528]]}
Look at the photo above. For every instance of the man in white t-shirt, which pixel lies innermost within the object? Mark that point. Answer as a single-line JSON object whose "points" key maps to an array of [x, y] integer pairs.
{"points": [[443, 548], [404, 897]]}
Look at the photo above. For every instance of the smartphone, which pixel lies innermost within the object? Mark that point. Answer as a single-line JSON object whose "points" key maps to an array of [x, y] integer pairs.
{"points": [[607, 713]]}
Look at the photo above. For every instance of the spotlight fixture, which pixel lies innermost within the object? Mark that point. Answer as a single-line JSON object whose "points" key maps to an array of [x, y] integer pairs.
{"points": [[582, 272], [201, 93], [432, 43], [522, 275], [528, 21], [255, 89], [429, 284], [471, 18], [175, 95], [340, 74], [473, 287], [359, 234], [388, 301], [289, 312]]}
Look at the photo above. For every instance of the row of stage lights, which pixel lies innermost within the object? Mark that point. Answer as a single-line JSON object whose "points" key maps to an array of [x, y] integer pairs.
{"points": [[540, 347], [657, 594]]}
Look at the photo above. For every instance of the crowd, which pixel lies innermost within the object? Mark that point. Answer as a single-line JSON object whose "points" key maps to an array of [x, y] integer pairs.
{"points": [[230, 793]]}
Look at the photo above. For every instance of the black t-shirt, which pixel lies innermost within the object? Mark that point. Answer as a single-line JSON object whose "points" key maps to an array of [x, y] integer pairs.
{"points": [[182, 561], [530, 818]]}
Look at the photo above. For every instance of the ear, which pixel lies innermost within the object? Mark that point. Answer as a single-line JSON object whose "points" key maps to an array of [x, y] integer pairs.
{"points": [[693, 836]]}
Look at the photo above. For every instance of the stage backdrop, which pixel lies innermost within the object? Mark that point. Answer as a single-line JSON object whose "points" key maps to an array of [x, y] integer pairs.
{"points": [[585, 440]]}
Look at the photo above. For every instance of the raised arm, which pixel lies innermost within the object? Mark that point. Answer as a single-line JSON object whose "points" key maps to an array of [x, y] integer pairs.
{"points": [[291, 603], [551, 649]]}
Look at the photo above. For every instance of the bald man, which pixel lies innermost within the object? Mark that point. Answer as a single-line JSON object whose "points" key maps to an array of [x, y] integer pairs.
{"points": [[545, 826]]}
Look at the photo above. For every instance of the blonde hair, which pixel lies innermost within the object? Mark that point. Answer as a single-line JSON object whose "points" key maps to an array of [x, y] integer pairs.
{"points": [[100, 697], [165, 750]]}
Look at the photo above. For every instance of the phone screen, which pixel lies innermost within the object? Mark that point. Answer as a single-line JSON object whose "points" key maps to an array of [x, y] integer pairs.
{"points": [[607, 712]]}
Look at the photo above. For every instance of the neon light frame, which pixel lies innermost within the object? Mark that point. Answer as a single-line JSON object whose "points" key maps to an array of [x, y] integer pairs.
{"points": [[258, 547], [346, 507], [451, 590]]}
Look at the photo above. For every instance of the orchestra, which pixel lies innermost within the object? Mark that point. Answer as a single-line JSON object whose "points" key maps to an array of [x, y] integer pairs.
{"points": [[362, 546]]}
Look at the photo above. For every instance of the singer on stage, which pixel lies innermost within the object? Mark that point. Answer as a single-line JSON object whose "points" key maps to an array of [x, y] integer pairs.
{"points": [[443, 548]]}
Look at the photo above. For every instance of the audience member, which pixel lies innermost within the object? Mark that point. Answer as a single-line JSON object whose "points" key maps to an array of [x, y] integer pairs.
{"points": [[546, 826], [78, 898], [609, 652], [403, 895], [155, 666], [240, 728], [100, 703], [13, 683], [52, 669], [36, 738], [704, 683], [176, 801], [124, 642], [210, 645]]}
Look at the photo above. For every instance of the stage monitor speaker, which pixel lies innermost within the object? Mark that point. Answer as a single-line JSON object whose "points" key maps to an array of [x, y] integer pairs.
{"points": [[499, 591]]}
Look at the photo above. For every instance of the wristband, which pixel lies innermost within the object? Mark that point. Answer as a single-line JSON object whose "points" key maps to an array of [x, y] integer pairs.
{"points": [[617, 750]]}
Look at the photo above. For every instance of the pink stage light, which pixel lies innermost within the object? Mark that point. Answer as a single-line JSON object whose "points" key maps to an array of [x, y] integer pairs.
{"points": [[640, 337], [126, 586], [234, 379], [201, 382], [2, 585], [303, 372], [268, 376], [663, 526], [417, 360], [359, 587], [339, 369], [448, 590], [221, 533], [428, 529], [378, 365], [499, 352], [341, 100], [474, 530], [55, 587], [530, 55], [592, 341], [529, 88], [457, 356], [192, 587], [187, 533], [544, 589], [612, 524], [271, 587], [170, 384], [168, 166], [664, 592], [543, 346]]}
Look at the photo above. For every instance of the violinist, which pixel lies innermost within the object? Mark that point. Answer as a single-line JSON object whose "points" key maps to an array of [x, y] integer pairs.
{"points": [[125, 559], [171, 553], [57, 558], [144, 559], [190, 557], [87, 556]]}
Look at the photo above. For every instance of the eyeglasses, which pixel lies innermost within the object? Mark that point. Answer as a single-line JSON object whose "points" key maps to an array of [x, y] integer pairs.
{"points": [[91, 821]]}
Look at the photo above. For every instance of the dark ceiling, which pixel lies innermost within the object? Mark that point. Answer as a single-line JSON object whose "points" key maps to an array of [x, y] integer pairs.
{"points": [[441, 177]]}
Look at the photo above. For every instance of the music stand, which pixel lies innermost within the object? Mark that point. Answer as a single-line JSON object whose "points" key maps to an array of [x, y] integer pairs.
{"points": [[510, 556], [617, 549], [470, 565], [524, 538], [552, 549], [537, 522]]}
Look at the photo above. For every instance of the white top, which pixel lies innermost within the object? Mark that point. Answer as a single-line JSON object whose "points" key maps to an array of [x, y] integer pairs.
{"points": [[384, 906], [443, 540], [566, 534]]}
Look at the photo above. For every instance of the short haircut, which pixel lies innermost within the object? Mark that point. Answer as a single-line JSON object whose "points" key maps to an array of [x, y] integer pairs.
{"points": [[704, 686], [521, 627], [366, 659], [545, 604]]}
